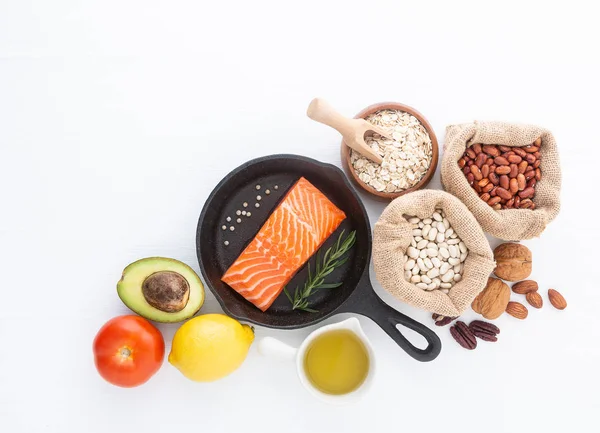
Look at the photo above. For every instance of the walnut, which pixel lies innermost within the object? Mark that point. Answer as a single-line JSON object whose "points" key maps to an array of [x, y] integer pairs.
{"points": [[492, 301], [513, 261]]}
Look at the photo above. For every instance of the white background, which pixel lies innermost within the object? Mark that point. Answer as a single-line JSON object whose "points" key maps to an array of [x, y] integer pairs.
{"points": [[117, 118]]}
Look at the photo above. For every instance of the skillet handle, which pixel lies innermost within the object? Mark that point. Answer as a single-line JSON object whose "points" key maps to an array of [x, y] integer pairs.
{"points": [[365, 301]]}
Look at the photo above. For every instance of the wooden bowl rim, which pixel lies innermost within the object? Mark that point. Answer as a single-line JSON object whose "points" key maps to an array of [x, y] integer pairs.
{"points": [[434, 149]]}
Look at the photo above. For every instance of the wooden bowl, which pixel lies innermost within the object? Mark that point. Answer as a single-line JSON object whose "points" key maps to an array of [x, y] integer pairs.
{"points": [[434, 149]]}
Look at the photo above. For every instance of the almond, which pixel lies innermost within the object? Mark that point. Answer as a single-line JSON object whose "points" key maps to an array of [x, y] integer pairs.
{"points": [[534, 299], [524, 287], [556, 299], [517, 310]]}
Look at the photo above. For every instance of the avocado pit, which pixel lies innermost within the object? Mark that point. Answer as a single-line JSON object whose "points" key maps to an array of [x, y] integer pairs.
{"points": [[167, 291], [161, 289]]}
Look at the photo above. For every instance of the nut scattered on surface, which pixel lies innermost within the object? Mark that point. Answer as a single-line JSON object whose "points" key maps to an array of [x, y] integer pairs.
{"points": [[556, 299], [435, 258], [226, 243], [484, 330], [406, 157], [492, 301], [534, 299], [463, 335], [524, 287], [442, 320], [513, 261], [517, 310]]}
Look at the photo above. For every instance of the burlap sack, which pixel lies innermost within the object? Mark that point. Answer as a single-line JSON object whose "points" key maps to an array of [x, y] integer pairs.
{"points": [[392, 236], [507, 224]]}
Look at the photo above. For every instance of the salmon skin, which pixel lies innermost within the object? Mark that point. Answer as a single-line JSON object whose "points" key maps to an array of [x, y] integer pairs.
{"points": [[295, 230]]}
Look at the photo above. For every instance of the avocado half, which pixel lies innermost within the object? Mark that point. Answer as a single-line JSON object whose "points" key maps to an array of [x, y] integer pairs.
{"points": [[161, 289]]}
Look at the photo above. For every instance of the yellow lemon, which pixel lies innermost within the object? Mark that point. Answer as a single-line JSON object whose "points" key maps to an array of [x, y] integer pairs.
{"points": [[210, 347]]}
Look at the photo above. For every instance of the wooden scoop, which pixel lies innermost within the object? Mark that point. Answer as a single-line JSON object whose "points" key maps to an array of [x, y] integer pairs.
{"points": [[353, 130]]}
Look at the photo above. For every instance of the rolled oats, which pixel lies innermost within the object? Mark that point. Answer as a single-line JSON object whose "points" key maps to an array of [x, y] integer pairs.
{"points": [[406, 157]]}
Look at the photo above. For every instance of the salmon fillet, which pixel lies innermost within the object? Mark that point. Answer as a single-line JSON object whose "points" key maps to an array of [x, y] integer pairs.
{"points": [[292, 233]]}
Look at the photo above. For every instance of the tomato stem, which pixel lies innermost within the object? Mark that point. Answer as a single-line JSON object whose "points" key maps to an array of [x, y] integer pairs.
{"points": [[125, 352]]}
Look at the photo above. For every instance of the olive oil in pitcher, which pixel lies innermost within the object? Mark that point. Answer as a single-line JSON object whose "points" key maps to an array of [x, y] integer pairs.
{"points": [[336, 362]]}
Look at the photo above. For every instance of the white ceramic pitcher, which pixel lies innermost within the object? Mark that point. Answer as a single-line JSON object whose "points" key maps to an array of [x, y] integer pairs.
{"points": [[270, 346]]}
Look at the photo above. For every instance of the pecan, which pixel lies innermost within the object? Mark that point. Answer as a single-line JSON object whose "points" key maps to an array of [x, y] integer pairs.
{"points": [[488, 327], [485, 337], [484, 330], [442, 320], [463, 336]]}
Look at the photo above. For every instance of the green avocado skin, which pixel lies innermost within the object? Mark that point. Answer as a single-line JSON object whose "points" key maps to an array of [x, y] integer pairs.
{"points": [[129, 288]]}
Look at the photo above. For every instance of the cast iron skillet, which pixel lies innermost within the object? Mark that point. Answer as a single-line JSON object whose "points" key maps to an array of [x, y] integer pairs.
{"points": [[356, 295]]}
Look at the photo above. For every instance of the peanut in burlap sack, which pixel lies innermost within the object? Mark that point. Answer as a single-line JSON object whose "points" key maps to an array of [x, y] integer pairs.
{"points": [[507, 224], [393, 234]]}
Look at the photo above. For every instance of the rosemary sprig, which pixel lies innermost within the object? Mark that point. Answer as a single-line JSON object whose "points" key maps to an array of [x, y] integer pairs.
{"points": [[333, 258]]}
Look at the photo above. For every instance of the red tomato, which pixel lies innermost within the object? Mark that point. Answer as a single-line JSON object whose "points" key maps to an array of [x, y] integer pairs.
{"points": [[128, 350]]}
